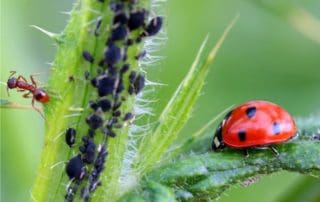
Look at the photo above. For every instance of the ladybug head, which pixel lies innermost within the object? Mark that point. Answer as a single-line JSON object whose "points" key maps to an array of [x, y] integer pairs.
{"points": [[217, 142]]}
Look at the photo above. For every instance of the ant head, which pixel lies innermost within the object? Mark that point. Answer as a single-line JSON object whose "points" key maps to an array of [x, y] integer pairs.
{"points": [[12, 82], [41, 96]]}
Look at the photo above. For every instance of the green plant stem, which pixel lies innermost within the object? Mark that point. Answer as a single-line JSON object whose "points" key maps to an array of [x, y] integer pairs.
{"points": [[51, 181]]}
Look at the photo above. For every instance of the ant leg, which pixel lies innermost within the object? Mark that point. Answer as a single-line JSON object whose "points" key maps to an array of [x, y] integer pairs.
{"points": [[37, 109], [12, 73], [33, 81], [21, 77], [21, 90], [27, 95], [274, 151]]}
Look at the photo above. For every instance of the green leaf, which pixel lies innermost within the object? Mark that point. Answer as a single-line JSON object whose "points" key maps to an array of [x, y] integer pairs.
{"points": [[178, 110], [152, 191], [204, 176]]}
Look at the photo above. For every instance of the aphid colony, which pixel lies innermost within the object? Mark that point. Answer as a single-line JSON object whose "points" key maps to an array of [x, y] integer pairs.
{"points": [[115, 80]]}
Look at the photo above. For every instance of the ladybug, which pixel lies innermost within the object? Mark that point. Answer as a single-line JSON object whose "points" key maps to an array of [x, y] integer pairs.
{"points": [[254, 124]]}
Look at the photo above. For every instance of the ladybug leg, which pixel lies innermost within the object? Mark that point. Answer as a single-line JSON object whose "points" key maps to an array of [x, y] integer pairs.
{"points": [[274, 150], [246, 152]]}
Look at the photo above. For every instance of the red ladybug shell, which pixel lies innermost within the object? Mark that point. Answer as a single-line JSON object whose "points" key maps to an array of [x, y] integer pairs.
{"points": [[256, 123]]}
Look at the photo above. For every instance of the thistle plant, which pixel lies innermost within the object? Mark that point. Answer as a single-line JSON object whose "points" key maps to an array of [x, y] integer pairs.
{"points": [[99, 90]]}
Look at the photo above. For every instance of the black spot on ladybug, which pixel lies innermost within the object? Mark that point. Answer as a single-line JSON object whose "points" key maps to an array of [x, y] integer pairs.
{"points": [[242, 135], [251, 111], [276, 128]]}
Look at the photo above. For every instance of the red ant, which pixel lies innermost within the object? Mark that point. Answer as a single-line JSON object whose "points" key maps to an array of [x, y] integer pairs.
{"points": [[22, 84]]}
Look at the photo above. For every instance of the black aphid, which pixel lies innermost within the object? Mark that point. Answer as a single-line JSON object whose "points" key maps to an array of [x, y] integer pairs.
{"points": [[130, 90], [91, 133], [87, 56], [104, 104], [75, 168], [94, 121], [88, 151], [129, 42], [119, 33], [139, 39], [102, 153], [120, 87], [111, 133], [117, 113], [70, 136], [141, 55], [124, 68], [128, 116], [136, 19], [132, 76], [138, 83], [101, 63], [153, 27], [105, 85], [98, 25], [86, 74], [94, 82], [116, 106], [112, 55], [120, 18], [93, 105], [116, 7], [112, 71]]}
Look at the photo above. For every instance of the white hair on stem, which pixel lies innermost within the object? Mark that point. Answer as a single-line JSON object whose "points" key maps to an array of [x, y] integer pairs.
{"points": [[128, 178]]}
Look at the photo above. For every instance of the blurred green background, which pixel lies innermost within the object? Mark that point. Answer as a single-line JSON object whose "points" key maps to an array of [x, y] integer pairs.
{"points": [[264, 57]]}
